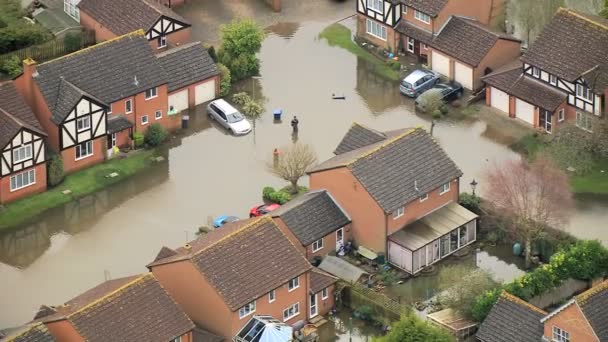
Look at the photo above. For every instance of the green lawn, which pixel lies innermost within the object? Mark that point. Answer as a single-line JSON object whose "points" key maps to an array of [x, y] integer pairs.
{"points": [[339, 35], [81, 184], [595, 182]]}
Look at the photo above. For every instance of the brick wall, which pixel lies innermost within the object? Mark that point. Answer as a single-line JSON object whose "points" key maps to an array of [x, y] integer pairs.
{"points": [[7, 196], [70, 164], [572, 320], [391, 36], [101, 33]]}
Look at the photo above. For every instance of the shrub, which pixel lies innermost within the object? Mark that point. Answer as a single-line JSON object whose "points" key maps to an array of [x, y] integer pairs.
{"points": [[387, 277], [225, 79], [584, 260], [437, 114], [138, 139], [484, 303], [412, 328], [240, 99], [364, 312], [395, 65], [471, 202], [12, 67], [267, 192], [280, 197], [72, 41], [155, 135], [211, 52], [55, 170]]}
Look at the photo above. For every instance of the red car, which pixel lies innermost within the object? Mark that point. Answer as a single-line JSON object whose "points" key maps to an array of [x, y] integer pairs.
{"points": [[263, 209]]}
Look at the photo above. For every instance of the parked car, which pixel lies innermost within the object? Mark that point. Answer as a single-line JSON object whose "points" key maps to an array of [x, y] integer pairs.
{"points": [[263, 209], [222, 220], [229, 117], [447, 92], [417, 82]]}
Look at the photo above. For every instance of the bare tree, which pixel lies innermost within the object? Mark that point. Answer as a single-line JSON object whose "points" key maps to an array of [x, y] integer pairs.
{"points": [[293, 162], [531, 197]]}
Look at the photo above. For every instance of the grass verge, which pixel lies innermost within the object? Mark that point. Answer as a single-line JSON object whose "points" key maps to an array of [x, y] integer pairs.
{"points": [[594, 182], [81, 184], [339, 35]]}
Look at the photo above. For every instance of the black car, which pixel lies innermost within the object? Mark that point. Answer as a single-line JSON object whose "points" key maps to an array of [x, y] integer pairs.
{"points": [[448, 92]]}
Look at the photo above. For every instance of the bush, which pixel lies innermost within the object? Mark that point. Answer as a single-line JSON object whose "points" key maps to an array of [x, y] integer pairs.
{"points": [[241, 99], [437, 114], [138, 139], [73, 41], [484, 303], [155, 135], [364, 312], [225, 79], [55, 170], [280, 197], [211, 52], [267, 192], [12, 67], [387, 277], [412, 328], [471, 202], [395, 65]]}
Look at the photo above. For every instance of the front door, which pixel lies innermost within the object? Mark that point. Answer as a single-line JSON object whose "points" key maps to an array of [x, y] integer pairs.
{"points": [[339, 238], [545, 120], [313, 305], [411, 44]]}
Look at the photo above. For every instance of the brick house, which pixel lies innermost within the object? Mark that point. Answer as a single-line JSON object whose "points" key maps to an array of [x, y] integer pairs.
{"points": [[135, 308], [92, 100], [113, 18], [464, 50], [397, 186], [314, 222], [562, 78], [22, 142], [247, 267]]}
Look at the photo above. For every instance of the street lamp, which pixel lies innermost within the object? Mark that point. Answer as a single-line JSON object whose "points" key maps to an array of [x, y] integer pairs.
{"points": [[473, 185], [253, 78]]}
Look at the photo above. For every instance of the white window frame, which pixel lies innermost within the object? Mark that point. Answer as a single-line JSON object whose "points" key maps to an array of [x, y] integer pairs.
{"points": [[585, 118], [376, 5], [584, 92], [380, 32], [404, 9], [535, 72], [421, 16], [424, 197], [130, 106], [287, 314], [325, 293], [272, 296], [83, 119], [561, 115], [158, 115], [29, 174], [293, 284], [560, 335], [146, 121], [162, 41], [90, 150], [177, 339], [444, 188], [71, 9], [113, 139], [317, 245], [411, 41], [22, 153], [247, 310], [553, 79], [398, 213], [151, 93]]}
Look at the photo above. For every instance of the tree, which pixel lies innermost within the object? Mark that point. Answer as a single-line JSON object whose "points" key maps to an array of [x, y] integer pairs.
{"points": [[225, 79], [531, 197], [240, 42], [461, 285], [155, 135], [431, 102], [293, 163], [413, 329], [252, 109], [55, 170], [604, 12], [532, 15]]}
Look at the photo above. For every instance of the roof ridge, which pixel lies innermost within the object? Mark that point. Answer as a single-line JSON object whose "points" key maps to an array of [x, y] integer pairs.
{"points": [[11, 116], [582, 17], [355, 123], [139, 33], [384, 144], [110, 294], [516, 300], [152, 5], [255, 223], [584, 297], [178, 48]]}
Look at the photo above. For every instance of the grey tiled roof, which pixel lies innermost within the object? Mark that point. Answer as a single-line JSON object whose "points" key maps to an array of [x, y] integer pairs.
{"points": [[118, 123], [108, 71], [14, 114], [31, 333], [124, 16], [202, 335], [358, 136], [594, 304], [320, 280], [415, 32], [430, 7], [467, 40], [505, 77], [571, 45], [187, 64], [311, 216], [512, 320]]}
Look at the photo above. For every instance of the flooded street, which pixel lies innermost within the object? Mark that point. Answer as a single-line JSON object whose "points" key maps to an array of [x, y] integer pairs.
{"points": [[208, 173]]}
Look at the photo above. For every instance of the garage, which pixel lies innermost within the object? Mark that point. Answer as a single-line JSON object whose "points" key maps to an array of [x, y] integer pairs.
{"points": [[499, 99], [178, 101], [463, 74], [204, 92], [441, 63], [524, 111]]}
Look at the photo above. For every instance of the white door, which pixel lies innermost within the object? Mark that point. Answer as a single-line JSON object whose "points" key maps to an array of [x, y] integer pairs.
{"points": [[463, 74], [441, 63], [524, 111], [400, 256], [178, 101], [204, 92], [499, 99], [410, 44], [313, 305], [339, 238]]}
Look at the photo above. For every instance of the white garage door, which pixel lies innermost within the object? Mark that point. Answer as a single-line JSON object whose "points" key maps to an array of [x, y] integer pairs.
{"points": [[441, 63], [179, 101], [499, 99], [463, 75], [524, 111], [204, 92]]}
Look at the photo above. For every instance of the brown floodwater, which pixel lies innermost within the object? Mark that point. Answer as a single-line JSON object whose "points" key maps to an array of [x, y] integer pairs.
{"points": [[207, 172]]}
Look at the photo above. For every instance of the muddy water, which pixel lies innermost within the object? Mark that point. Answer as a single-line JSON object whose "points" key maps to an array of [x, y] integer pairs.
{"points": [[209, 173]]}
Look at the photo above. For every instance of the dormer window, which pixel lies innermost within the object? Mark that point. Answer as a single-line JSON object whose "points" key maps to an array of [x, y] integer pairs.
{"points": [[535, 72], [584, 92], [553, 79], [376, 5]]}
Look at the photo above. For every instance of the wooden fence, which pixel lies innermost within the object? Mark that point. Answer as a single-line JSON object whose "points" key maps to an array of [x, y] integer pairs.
{"points": [[380, 303], [51, 49]]}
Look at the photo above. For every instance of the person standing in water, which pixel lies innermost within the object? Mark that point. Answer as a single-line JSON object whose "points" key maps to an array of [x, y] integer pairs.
{"points": [[294, 124]]}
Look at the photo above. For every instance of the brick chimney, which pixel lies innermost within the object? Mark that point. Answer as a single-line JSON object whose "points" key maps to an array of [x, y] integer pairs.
{"points": [[25, 82]]}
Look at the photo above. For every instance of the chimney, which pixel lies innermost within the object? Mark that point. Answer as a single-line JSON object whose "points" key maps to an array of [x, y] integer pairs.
{"points": [[25, 82], [188, 247]]}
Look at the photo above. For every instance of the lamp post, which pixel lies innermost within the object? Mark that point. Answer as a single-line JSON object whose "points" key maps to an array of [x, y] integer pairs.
{"points": [[253, 78], [473, 185]]}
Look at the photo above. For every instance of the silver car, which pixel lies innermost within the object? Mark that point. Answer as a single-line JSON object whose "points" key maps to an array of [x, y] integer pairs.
{"points": [[229, 117], [417, 82]]}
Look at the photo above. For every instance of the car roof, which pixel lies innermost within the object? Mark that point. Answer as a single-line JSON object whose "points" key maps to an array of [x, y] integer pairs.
{"points": [[224, 106], [416, 75]]}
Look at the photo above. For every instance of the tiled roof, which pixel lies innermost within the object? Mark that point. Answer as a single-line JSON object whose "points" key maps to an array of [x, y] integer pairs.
{"points": [[118, 123], [36, 332], [14, 114], [358, 136], [201, 335], [135, 308], [466, 40], [415, 32], [504, 77], [571, 45], [430, 7], [164, 252], [244, 260], [594, 304], [187, 64], [124, 16], [110, 71], [311, 216], [512, 320], [320, 280], [392, 169]]}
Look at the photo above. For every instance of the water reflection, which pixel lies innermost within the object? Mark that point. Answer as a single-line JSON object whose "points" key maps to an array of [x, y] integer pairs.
{"points": [[379, 94], [342, 327], [285, 30]]}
